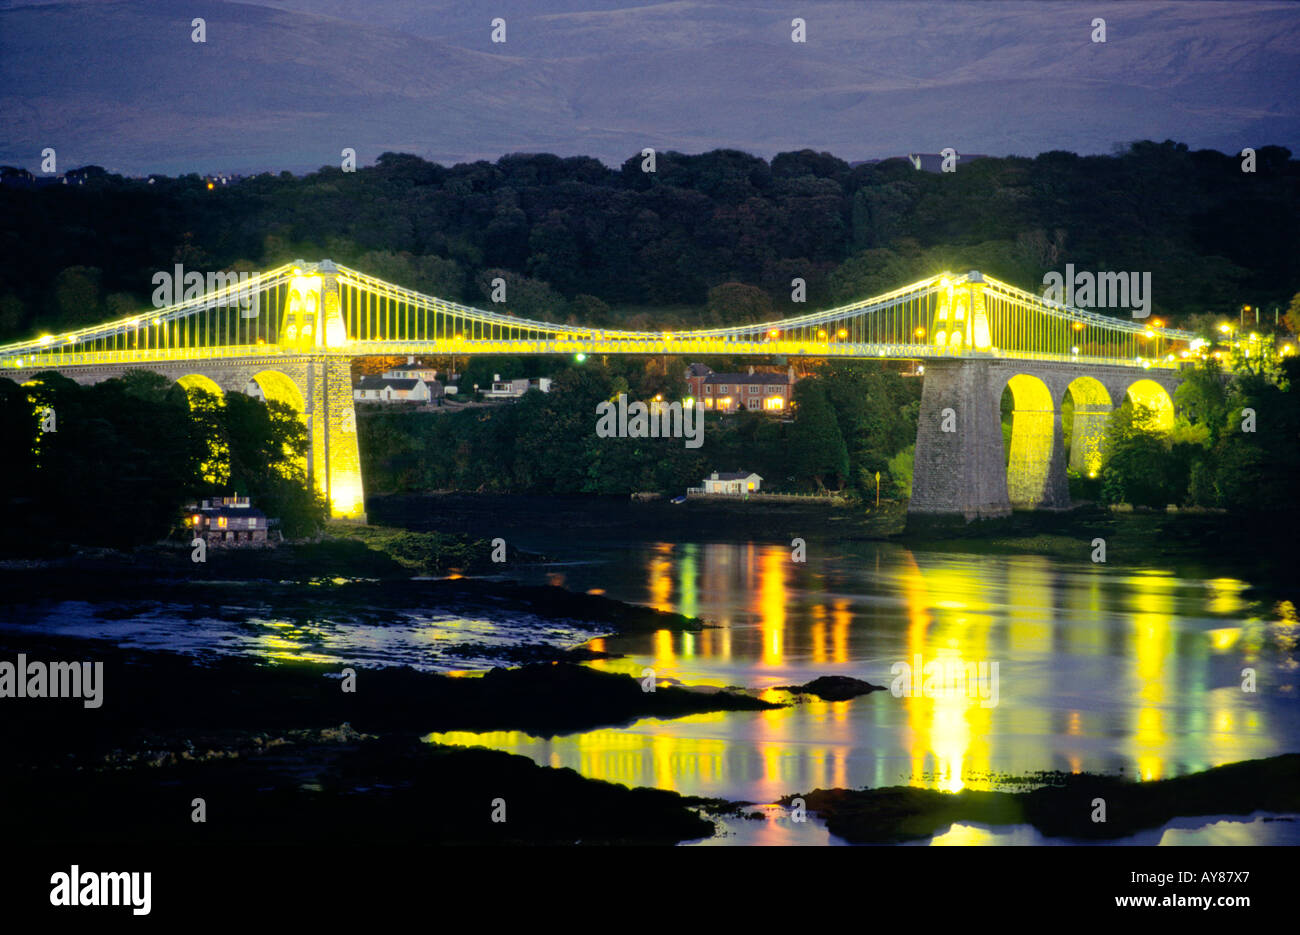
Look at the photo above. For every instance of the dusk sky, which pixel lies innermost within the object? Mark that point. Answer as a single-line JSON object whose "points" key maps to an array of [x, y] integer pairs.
{"points": [[287, 84]]}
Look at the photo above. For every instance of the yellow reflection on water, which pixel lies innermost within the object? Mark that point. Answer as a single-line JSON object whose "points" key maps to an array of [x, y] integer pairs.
{"points": [[1155, 676], [1225, 595], [660, 570], [817, 632], [771, 604], [686, 583], [663, 652], [633, 758], [1144, 677], [949, 619], [841, 618]]}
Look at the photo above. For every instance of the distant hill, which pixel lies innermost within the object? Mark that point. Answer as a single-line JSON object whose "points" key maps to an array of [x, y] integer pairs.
{"points": [[287, 84]]}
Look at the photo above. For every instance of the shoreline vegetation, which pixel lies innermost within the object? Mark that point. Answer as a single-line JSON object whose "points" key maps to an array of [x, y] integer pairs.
{"points": [[280, 752]]}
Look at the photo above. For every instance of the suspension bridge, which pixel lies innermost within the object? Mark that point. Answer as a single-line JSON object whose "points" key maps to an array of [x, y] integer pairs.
{"points": [[290, 334]]}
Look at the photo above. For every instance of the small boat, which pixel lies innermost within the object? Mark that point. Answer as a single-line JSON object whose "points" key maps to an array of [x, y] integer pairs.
{"points": [[680, 499]]}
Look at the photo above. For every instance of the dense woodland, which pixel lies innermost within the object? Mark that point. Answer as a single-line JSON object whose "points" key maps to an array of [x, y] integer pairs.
{"points": [[576, 239], [113, 464]]}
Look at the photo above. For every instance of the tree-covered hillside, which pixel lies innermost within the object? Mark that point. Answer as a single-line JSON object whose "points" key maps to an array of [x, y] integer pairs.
{"points": [[576, 239]]}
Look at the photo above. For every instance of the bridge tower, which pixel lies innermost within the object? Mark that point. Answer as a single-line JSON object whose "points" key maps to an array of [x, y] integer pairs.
{"points": [[313, 327]]}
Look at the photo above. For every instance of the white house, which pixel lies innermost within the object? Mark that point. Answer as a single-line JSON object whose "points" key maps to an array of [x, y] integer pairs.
{"points": [[427, 374], [413, 371], [736, 482], [513, 389], [389, 390]]}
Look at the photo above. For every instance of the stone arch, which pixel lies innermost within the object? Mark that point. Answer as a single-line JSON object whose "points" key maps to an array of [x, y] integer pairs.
{"points": [[198, 381], [1092, 407], [272, 385], [1034, 426], [1151, 394]]}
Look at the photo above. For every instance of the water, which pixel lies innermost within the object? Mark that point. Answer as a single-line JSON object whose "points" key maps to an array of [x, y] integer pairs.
{"points": [[1119, 670], [1101, 669], [427, 641]]}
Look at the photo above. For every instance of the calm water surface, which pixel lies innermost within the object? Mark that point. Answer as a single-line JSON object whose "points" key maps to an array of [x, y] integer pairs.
{"points": [[1101, 668]]}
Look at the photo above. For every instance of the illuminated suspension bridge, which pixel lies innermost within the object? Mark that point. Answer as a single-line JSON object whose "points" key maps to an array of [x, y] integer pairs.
{"points": [[323, 309], [291, 333]]}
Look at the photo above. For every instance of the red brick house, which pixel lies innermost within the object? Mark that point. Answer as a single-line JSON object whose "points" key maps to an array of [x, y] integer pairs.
{"points": [[729, 392]]}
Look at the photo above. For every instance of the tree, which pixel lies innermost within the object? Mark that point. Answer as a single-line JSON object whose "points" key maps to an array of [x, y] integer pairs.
{"points": [[524, 297], [735, 303], [901, 468], [1202, 397], [77, 296], [1293, 314], [817, 451]]}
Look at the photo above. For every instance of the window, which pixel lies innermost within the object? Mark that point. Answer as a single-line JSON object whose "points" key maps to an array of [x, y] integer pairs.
{"points": [[722, 388], [708, 404], [221, 522], [751, 485], [774, 402], [753, 390], [708, 390]]}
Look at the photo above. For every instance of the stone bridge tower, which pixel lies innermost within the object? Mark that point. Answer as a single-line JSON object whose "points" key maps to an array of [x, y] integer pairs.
{"points": [[960, 470]]}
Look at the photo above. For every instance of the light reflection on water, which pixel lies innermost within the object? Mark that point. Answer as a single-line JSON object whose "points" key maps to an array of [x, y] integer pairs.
{"points": [[428, 641], [1101, 669]]}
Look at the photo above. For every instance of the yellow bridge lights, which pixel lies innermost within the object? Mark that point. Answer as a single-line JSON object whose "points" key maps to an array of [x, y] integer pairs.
{"points": [[320, 309], [960, 320], [312, 316], [301, 309]]}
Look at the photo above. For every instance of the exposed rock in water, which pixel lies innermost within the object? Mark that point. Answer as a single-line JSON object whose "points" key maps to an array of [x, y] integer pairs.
{"points": [[834, 688], [901, 813]]}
